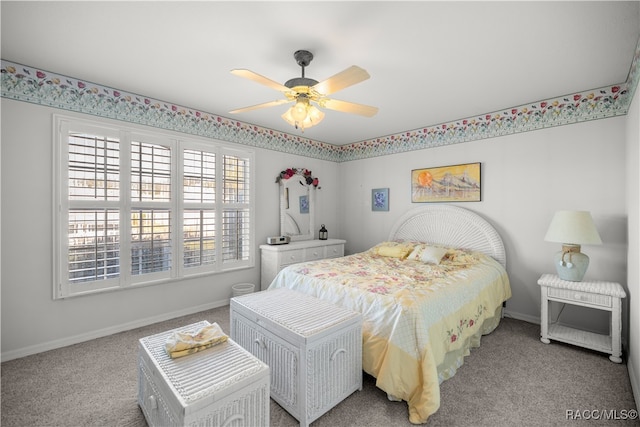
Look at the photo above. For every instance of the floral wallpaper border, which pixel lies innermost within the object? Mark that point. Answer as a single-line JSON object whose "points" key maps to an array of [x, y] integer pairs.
{"points": [[25, 83], [589, 105]]}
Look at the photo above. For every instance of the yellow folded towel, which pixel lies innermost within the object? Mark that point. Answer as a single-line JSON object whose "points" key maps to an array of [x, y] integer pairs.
{"points": [[182, 343]]}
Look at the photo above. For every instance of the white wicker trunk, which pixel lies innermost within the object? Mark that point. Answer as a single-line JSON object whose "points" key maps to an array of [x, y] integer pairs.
{"points": [[313, 347], [221, 386]]}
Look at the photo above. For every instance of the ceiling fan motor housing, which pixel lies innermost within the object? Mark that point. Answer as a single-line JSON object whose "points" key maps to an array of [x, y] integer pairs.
{"points": [[303, 58], [300, 81]]}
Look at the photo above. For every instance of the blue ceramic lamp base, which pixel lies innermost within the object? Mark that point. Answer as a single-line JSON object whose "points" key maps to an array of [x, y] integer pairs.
{"points": [[571, 264]]}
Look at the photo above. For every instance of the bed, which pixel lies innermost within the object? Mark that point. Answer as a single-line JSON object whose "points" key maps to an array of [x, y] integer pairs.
{"points": [[427, 295]]}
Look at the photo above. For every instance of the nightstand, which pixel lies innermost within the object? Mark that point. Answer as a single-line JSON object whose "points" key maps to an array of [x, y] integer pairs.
{"points": [[605, 296]]}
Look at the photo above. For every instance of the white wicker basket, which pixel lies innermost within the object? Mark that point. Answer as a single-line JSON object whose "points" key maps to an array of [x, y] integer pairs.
{"points": [[223, 385], [313, 347], [242, 289]]}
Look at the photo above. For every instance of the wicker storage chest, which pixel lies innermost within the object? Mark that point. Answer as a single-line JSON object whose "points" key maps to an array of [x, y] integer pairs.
{"points": [[223, 385], [313, 347]]}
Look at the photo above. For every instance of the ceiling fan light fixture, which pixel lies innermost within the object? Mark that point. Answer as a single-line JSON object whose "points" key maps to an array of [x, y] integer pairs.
{"points": [[313, 116], [299, 109]]}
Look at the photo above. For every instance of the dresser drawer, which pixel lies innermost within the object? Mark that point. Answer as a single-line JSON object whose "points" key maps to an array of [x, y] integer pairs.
{"points": [[291, 257], [571, 295], [334, 251], [312, 254]]}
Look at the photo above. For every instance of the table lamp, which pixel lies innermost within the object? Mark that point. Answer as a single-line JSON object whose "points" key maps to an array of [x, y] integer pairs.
{"points": [[572, 229]]}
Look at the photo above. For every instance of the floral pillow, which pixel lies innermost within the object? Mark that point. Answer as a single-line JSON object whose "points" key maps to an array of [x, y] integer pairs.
{"points": [[427, 254]]}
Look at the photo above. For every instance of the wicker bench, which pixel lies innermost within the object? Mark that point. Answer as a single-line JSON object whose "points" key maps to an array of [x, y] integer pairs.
{"points": [[313, 347], [223, 385]]}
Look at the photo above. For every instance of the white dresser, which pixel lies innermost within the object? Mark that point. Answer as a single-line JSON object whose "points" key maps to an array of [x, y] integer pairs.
{"points": [[276, 257]]}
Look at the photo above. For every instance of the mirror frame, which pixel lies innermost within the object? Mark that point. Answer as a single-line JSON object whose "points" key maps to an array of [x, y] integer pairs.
{"points": [[311, 189]]}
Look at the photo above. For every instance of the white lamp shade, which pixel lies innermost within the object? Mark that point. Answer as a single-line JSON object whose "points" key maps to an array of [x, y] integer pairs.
{"points": [[573, 227]]}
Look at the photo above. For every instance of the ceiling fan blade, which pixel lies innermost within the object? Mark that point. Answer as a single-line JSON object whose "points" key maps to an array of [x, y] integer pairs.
{"points": [[350, 107], [263, 105], [247, 74], [343, 79]]}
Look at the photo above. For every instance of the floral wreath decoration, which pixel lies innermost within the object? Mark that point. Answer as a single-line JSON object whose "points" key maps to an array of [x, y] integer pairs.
{"points": [[306, 173]]}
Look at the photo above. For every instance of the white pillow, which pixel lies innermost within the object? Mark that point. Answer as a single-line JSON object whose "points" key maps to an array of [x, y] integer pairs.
{"points": [[427, 254]]}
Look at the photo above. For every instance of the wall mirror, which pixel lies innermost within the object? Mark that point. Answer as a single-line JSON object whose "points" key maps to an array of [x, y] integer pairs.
{"points": [[297, 204]]}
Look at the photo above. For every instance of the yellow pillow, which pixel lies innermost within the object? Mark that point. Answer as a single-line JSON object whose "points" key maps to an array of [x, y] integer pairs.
{"points": [[393, 250]]}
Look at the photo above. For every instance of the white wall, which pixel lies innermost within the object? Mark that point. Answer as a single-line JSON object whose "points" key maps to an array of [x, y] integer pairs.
{"points": [[525, 178], [31, 320], [633, 272]]}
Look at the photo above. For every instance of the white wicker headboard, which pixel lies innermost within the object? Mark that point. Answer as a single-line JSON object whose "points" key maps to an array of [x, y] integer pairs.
{"points": [[451, 226]]}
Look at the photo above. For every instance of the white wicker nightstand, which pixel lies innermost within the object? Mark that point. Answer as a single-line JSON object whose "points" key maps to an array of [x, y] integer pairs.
{"points": [[595, 294]]}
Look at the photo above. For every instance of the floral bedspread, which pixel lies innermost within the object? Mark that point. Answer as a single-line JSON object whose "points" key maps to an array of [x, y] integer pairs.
{"points": [[419, 319]]}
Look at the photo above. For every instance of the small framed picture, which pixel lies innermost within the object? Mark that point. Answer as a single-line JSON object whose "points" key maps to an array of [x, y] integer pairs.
{"points": [[380, 199], [304, 204]]}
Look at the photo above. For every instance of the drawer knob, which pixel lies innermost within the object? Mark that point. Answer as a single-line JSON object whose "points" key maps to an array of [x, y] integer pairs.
{"points": [[336, 353], [315, 254], [260, 343]]}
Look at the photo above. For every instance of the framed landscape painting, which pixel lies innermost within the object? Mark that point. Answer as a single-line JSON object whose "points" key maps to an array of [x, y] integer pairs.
{"points": [[456, 183]]}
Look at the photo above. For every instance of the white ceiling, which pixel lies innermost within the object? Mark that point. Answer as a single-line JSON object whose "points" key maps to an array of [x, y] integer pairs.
{"points": [[430, 62]]}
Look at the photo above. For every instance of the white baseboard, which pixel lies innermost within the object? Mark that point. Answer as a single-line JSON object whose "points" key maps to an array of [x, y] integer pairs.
{"points": [[52, 345], [524, 317]]}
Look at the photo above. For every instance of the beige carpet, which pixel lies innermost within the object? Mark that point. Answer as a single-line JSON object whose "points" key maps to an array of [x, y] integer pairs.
{"points": [[512, 379]]}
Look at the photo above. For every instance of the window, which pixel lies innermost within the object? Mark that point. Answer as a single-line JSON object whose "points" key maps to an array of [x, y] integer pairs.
{"points": [[135, 208], [199, 220], [235, 219]]}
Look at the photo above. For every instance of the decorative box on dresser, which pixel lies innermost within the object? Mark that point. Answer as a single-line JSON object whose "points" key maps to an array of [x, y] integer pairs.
{"points": [[276, 257], [599, 295]]}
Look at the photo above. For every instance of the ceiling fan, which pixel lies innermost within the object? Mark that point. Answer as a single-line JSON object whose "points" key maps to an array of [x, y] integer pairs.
{"points": [[308, 93]]}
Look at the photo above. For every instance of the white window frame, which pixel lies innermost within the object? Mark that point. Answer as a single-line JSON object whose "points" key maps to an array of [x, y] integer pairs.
{"points": [[177, 143]]}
